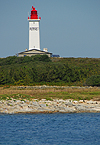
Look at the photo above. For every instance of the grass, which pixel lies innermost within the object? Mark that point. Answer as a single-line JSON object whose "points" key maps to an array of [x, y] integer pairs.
{"points": [[50, 94], [15, 97], [74, 95]]}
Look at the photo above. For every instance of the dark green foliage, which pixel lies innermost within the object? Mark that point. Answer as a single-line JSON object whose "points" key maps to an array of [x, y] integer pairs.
{"points": [[41, 69], [19, 60], [7, 61], [43, 58], [93, 81]]}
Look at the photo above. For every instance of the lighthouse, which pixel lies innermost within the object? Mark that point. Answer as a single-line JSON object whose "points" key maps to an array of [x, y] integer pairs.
{"points": [[34, 37], [34, 31]]}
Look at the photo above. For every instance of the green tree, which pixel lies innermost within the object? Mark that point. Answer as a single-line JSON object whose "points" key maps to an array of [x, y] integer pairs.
{"points": [[93, 81]]}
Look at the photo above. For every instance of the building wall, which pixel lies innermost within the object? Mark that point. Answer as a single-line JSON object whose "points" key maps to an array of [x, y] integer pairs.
{"points": [[26, 54], [34, 34], [33, 52]]}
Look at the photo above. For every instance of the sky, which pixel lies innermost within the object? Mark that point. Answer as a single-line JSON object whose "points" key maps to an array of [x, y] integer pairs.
{"points": [[69, 28]]}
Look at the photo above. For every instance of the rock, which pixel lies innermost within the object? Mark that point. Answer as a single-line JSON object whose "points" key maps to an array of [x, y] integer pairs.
{"points": [[91, 102], [88, 102], [43, 100], [18, 101], [35, 103], [43, 105], [70, 109], [0, 102], [40, 109], [97, 109], [83, 109], [22, 102], [69, 104], [81, 101], [61, 108], [75, 102], [61, 101], [9, 104], [62, 111]]}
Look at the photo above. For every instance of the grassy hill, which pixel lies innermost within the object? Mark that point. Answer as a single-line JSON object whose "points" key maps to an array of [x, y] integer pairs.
{"points": [[44, 70]]}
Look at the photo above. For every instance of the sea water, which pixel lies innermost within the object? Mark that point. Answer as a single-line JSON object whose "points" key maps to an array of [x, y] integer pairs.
{"points": [[50, 129]]}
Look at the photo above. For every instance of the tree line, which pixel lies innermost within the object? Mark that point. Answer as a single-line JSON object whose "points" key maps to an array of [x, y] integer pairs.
{"points": [[41, 69]]}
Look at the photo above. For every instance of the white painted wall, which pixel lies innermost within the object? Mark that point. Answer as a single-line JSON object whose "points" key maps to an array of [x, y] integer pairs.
{"points": [[34, 34]]}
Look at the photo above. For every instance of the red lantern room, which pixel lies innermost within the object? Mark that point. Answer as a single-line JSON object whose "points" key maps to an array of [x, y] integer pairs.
{"points": [[34, 14]]}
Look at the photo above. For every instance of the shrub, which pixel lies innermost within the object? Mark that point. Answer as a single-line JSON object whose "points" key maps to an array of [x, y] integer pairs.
{"points": [[93, 81], [43, 58]]}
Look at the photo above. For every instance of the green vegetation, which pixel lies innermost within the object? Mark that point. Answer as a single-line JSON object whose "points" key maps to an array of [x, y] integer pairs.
{"points": [[21, 97], [93, 81], [54, 95], [72, 95], [40, 70], [20, 60]]}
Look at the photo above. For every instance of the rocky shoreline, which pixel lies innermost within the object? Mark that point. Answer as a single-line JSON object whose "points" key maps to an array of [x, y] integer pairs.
{"points": [[48, 106], [53, 87]]}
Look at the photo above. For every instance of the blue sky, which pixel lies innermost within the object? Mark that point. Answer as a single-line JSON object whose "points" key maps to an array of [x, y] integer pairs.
{"points": [[70, 28]]}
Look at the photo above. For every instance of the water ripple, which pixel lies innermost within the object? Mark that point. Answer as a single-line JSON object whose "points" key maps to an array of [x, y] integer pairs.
{"points": [[55, 129]]}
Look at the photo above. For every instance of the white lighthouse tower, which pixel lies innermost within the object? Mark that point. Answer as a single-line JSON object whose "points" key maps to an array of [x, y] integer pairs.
{"points": [[34, 37], [34, 32]]}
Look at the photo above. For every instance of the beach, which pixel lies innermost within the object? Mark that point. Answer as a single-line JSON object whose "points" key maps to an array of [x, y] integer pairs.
{"points": [[47, 105]]}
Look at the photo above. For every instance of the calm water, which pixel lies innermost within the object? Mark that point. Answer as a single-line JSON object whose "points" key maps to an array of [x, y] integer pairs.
{"points": [[50, 129]]}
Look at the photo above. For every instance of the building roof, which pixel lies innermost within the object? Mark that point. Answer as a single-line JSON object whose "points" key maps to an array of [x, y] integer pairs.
{"points": [[30, 51]]}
